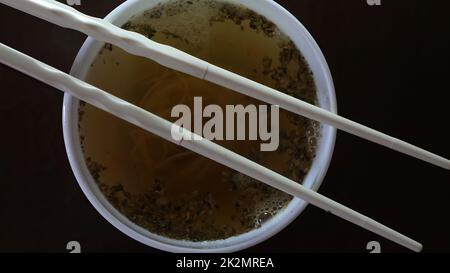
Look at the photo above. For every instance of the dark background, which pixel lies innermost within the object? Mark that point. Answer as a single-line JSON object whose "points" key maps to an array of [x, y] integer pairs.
{"points": [[390, 65]]}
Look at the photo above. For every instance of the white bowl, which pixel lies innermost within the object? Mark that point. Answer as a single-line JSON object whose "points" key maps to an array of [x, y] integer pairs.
{"points": [[288, 24]]}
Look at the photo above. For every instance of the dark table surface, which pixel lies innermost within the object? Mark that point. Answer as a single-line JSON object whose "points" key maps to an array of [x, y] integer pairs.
{"points": [[391, 67]]}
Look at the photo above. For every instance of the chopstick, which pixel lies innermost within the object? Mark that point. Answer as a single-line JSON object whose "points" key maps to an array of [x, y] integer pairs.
{"points": [[164, 129], [170, 57]]}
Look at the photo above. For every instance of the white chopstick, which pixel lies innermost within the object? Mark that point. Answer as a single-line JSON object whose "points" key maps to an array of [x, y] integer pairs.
{"points": [[163, 128], [134, 43]]}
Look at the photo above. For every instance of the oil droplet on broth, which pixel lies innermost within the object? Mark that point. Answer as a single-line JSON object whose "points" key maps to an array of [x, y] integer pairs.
{"points": [[263, 217]]}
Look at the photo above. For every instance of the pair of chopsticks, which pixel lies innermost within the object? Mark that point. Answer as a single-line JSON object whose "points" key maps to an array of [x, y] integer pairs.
{"points": [[136, 44]]}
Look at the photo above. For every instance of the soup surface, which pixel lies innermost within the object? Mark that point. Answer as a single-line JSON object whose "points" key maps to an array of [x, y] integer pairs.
{"points": [[165, 188]]}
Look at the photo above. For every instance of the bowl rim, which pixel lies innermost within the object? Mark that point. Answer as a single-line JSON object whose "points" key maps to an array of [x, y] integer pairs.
{"points": [[76, 159]]}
